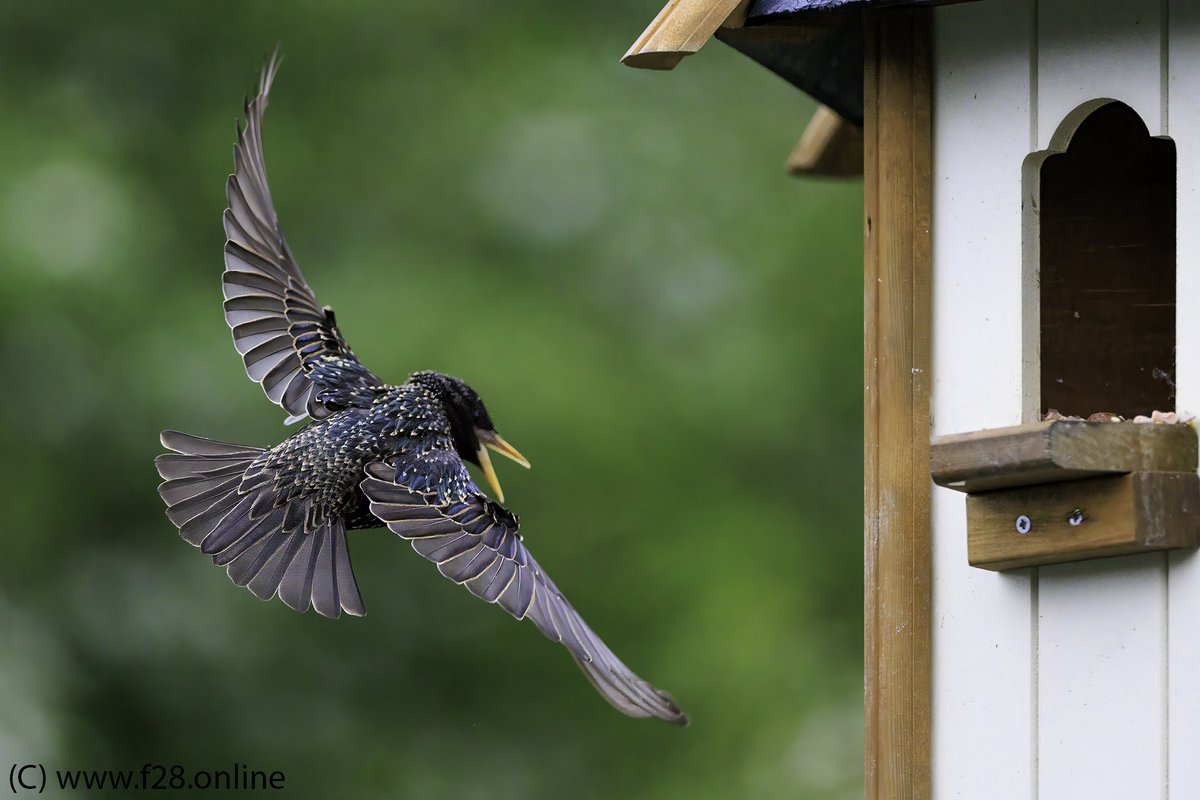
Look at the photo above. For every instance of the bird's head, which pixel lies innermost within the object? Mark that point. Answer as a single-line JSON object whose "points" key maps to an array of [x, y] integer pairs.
{"points": [[471, 426]]}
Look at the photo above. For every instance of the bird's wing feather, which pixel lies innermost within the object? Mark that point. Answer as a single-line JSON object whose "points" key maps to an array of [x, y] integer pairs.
{"points": [[290, 345], [474, 542]]}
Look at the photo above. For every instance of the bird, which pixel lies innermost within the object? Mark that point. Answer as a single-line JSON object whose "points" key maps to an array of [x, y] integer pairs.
{"points": [[371, 455]]}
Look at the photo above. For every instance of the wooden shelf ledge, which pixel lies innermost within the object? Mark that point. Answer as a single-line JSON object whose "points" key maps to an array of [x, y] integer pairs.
{"points": [[1062, 450]]}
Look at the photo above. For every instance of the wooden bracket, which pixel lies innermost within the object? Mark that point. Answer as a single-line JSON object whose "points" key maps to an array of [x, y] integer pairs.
{"points": [[1076, 520], [1062, 491]]}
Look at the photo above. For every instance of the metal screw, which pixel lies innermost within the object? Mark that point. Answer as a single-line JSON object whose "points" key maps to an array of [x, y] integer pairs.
{"points": [[1076, 517], [1024, 525]]}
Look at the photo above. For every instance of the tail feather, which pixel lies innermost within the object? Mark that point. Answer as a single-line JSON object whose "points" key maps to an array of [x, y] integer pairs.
{"points": [[295, 587], [231, 526], [246, 567], [198, 528], [177, 465], [190, 445], [177, 490], [193, 498], [267, 582], [334, 583], [245, 564], [270, 545]]}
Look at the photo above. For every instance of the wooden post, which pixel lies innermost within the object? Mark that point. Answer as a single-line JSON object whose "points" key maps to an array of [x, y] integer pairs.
{"points": [[897, 486]]}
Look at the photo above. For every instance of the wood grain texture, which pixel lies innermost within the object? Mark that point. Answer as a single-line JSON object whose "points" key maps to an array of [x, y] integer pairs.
{"points": [[897, 303], [1063, 450], [830, 147], [1123, 515], [681, 29]]}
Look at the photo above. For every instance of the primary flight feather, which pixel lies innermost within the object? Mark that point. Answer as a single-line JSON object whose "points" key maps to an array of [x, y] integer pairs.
{"points": [[373, 455]]}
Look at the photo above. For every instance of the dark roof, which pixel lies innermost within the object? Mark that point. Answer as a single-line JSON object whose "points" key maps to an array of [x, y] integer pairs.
{"points": [[829, 66], [767, 8]]}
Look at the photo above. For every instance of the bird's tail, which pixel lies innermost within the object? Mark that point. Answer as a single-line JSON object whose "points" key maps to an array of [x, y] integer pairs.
{"points": [[200, 481], [268, 543]]}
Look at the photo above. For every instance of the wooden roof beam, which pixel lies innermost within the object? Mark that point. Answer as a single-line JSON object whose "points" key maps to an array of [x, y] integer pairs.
{"points": [[682, 28], [830, 147]]}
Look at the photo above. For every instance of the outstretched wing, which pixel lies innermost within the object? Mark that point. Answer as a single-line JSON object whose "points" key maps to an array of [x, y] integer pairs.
{"points": [[474, 542], [283, 335]]}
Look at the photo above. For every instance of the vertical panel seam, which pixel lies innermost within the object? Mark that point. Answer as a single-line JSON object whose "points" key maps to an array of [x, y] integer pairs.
{"points": [[1035, 574], [1164, 45], [1165, 96], [1164, 23], [1166, 668], [1165, 100], [1033, 75]]}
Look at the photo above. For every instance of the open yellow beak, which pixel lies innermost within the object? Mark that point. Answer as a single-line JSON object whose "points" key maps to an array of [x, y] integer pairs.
{"points": [[496, 442]]}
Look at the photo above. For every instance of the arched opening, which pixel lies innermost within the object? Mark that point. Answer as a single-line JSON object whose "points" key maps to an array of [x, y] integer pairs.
{"points": [[1101, 202]]}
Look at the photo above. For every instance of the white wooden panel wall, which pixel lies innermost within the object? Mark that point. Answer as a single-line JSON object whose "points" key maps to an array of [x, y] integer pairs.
{"points": [[1053, 683], [982, 689]]}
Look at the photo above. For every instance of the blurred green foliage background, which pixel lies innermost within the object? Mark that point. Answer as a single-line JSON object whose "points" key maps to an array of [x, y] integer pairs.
{"points": [[666, 324]]}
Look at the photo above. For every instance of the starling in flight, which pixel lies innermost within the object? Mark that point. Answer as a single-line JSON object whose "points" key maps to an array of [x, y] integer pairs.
{"points": [[372, 455]]}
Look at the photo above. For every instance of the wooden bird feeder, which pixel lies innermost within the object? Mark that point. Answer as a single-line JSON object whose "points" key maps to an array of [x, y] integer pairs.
{"points": [[1031, 176]]}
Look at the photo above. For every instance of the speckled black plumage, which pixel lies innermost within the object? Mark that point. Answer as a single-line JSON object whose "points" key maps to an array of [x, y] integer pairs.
{"points": [[372, 455]]}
